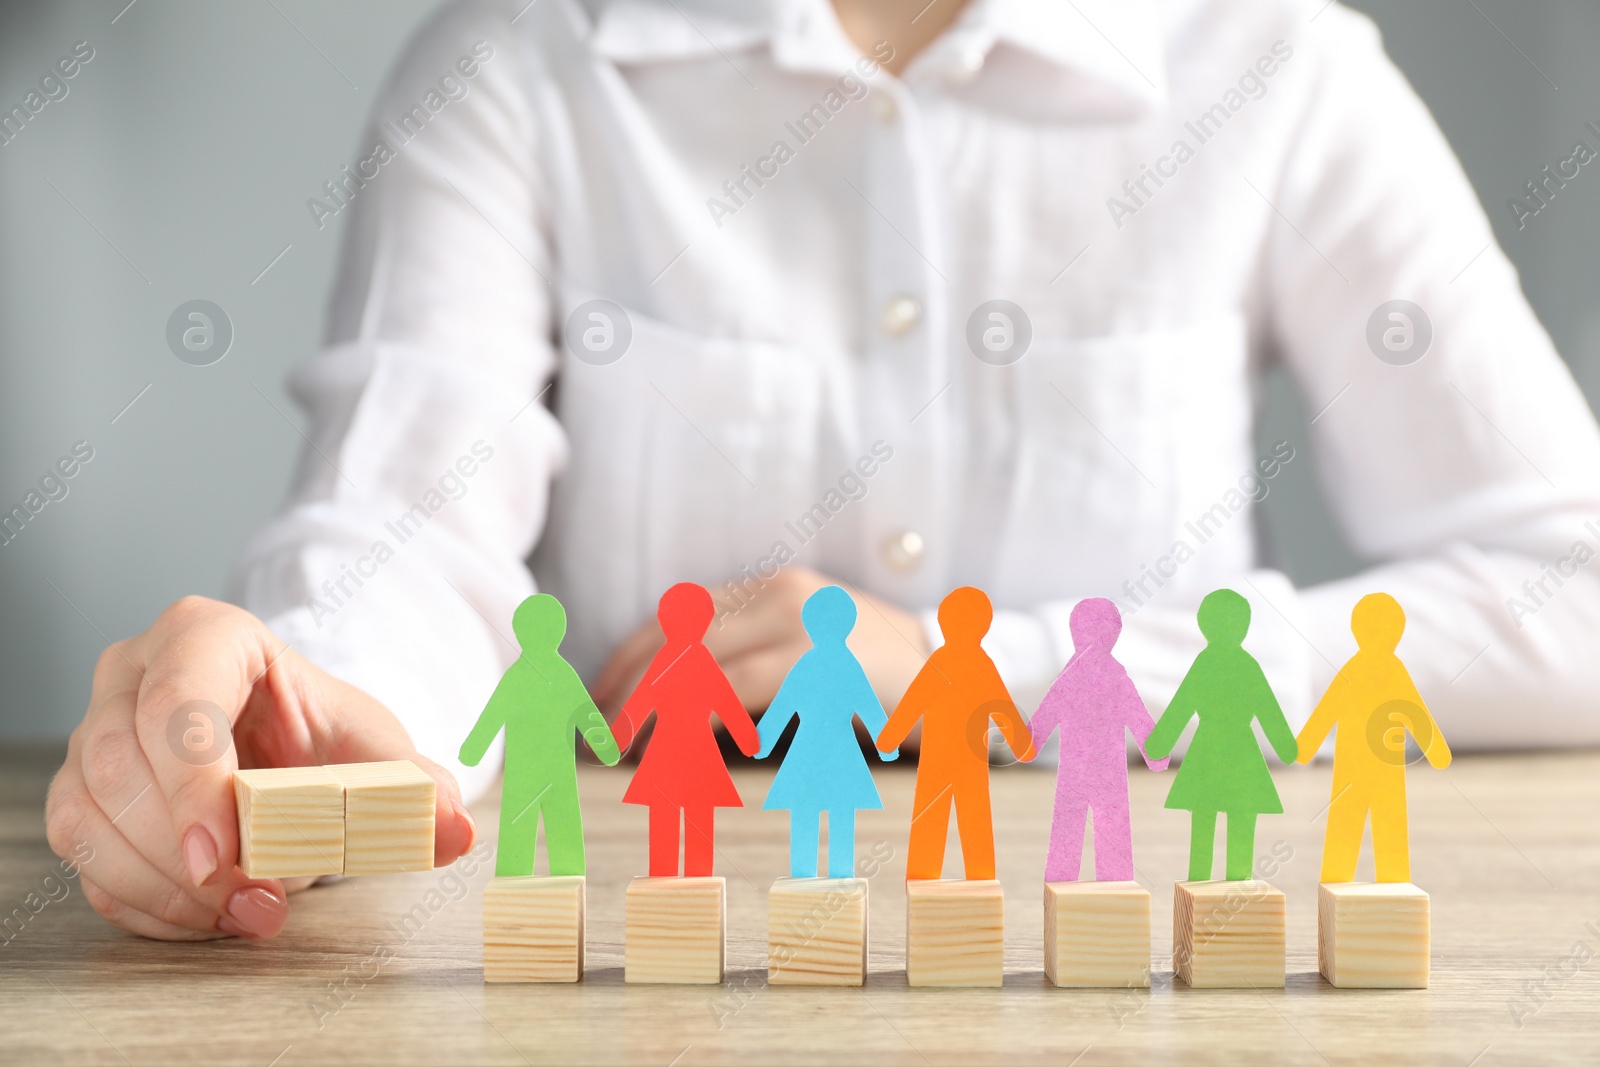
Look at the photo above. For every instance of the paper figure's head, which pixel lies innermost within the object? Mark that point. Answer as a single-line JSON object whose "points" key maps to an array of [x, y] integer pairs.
{"points": [[1096, 622], [1224, 617], [965, 615], [829, 615], [686, 612], [1377, 622], [540, 622]]}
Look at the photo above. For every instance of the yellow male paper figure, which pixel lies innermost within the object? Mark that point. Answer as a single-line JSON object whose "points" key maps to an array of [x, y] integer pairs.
{"points": [[1373, 702]]}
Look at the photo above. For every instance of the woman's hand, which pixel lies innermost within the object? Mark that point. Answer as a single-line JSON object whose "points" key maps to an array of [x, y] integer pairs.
{"points": [[758, 643], [144, 803]]}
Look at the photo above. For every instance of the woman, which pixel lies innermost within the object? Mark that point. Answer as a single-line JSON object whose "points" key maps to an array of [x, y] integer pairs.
{"points": [[824, 770], [682, 771], [1223, 770], [910, 296]]}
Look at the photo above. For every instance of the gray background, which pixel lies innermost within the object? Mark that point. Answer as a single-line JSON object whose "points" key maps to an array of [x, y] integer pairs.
{"points": [[178, 167]]}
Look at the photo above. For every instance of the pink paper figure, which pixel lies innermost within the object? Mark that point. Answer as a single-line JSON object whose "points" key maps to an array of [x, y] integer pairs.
{"points": [[1093, 701]]}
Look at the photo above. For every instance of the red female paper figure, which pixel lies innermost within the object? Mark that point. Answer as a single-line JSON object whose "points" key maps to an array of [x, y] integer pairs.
{"points": [[1093, 701], [955, 695], [824, 770], [1373, 702], [682, 771], [1223, 770]]}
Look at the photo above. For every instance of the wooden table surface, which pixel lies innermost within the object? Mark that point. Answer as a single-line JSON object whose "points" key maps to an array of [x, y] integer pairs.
{"points": [[1508, 847]]}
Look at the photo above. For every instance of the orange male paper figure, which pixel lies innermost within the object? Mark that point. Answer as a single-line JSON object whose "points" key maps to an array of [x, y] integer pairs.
{"points": [[955, 695], [1373, 702]]}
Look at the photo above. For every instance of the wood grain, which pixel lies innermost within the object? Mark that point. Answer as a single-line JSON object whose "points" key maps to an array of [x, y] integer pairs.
{"points": [[955, 932], [533, 929], [291, 822], [388, 817], [1228, 935], [1514, 891], [1097, 934], [1372, 935], [817, 931], [677, 931]]}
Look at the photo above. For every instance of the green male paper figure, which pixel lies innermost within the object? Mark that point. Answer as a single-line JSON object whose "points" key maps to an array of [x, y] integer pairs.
{"points": [[541, 703]]}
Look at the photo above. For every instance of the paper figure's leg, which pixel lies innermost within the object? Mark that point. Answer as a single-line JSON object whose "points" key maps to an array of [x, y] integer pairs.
{"points": [[1202, 836], [930, 823], [699, 841], [803, 834], [563, 831], [1066, 837], [1113, 840], [519, 833], [841, 842], [1241, 845], [1341, 843], [663, 841], [976, 823], [1391, 839]]}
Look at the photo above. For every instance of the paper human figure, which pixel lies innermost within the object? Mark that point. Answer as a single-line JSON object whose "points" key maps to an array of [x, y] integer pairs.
{"points": [[824, 770], [541, 704], [1094, 703], [954, 696], [682, 772], [1373, 703], [1223, 770]]}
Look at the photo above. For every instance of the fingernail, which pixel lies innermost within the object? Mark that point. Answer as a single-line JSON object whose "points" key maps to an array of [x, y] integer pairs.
{"points": [[199, 854], [228, 926], [258, 911], [472, 826]]}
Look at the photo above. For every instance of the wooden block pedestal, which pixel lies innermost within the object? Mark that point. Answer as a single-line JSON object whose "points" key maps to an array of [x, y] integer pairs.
{"points": [[1373, 935], [817, 931], [677, 931], [533, 929], [955, 932], [1228, 934], [1097, 934], [291, 822], [388, 817]]}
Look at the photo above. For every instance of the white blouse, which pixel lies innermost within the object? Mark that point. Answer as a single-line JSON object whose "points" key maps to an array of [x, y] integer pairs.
{"points": [[1000, 321]]}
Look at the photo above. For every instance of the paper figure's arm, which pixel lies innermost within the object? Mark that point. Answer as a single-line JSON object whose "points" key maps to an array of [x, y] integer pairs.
{"points": [[635, 712], [730, 709], [1323, 716], [919, 695], [1158, 742], [779, 713], [1271, 717], [489, 724], [1426, 730], [590, 724], [1053, 708], [1138, 720], [1004, 711], [867, 705]]}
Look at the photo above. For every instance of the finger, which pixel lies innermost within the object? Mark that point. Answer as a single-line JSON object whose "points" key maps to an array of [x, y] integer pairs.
{"points": [[121, 915], [118, 868], [199, 658], [454, 829]]}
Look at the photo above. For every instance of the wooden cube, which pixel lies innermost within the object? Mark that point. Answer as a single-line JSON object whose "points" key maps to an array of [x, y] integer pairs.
{"points": [[533, 929], [1228, 934], [1373, 935], [1097, 934], [291, 822], [955, 932], [388, 817], [677, 931], [817, 931]]}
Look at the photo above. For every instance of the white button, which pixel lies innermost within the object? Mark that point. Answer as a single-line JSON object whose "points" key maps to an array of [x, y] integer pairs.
{"points": [[884, 109], [967, 65], [903, 551], [900, 315]]}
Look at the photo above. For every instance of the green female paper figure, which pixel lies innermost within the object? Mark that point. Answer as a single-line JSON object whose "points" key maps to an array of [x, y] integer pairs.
{"points": [[1223, 770]]}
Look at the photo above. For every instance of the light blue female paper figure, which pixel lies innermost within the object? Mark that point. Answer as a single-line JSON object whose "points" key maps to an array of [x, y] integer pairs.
{"points": [[824, 770]]}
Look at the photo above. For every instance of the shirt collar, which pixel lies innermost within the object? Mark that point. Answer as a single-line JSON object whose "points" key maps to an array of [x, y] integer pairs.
{"points": [[1061, 60]]}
